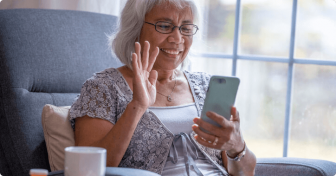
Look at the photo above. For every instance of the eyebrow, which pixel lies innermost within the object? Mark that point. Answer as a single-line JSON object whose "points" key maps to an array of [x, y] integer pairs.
{"points": [[170, 20]]}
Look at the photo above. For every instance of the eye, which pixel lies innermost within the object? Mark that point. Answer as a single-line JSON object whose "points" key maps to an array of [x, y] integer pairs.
{"points": [[164, 26], [187, 28]]}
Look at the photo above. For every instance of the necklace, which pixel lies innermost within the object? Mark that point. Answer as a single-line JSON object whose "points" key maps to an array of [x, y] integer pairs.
{"points": [[169, 97]]}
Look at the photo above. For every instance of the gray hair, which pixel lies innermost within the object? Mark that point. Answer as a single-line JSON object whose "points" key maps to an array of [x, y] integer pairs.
{"points": [[131, 22]]}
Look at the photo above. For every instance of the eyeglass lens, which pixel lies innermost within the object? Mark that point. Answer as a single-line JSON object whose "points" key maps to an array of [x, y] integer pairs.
{"points": [[165, 27]]}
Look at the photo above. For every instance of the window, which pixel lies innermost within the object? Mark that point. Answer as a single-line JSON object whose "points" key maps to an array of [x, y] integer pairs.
{"points": [[284, 52]]}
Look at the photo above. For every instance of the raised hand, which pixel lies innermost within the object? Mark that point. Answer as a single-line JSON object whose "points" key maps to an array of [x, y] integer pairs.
{"points": [[144, 78], [228, 136]]}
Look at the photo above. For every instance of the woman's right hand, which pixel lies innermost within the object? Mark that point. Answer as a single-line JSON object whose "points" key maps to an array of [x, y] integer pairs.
{"points": [[144, 78]]}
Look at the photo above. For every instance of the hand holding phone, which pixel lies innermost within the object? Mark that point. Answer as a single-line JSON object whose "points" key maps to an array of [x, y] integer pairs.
{"points": [[220, 97]]}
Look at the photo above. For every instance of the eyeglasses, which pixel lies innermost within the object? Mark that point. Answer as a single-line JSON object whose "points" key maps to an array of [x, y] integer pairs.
{"points": [[166, 28]]}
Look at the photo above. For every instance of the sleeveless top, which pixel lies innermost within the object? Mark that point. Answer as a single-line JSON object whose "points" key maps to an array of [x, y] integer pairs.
{"points": [[106, 95], [184, 157]]}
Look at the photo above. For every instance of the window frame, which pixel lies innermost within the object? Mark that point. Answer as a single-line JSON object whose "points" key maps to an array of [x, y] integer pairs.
{"points": [[290, 60]]}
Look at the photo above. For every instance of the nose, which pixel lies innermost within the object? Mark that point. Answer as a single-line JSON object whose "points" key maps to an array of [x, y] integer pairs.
{"points": [[176, 36]]}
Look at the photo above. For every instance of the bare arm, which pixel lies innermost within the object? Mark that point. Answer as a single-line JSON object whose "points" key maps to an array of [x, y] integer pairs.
{"points": [[116, 138]]}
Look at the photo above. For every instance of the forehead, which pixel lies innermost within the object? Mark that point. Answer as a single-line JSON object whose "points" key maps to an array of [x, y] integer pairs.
{"points": [[169, 12]]}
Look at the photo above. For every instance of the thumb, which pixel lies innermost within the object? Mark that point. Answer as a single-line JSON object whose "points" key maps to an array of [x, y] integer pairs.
{"points": [[153, 77], [234, 114]]}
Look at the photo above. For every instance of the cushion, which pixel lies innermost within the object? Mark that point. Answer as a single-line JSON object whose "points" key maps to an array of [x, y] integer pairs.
{"points": [[58, 134]]}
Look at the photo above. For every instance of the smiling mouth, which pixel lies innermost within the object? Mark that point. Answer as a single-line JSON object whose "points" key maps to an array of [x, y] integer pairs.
{"points": [[175, 52]]}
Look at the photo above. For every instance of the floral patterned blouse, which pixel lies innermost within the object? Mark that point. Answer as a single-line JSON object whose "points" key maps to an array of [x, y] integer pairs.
{"points": [[106, 95]]}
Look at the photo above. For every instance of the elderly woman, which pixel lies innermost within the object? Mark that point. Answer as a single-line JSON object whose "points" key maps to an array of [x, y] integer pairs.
{"points": [[144, 113]]}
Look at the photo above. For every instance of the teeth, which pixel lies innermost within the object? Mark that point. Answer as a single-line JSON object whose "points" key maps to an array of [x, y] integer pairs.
{"points": [[170, 51]]}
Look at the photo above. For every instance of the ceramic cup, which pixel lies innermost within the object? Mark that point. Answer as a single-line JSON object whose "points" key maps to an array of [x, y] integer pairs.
{"points": [[85, 161]]}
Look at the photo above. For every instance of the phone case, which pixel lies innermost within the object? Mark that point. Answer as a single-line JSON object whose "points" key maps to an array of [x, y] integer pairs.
{"points": [[220, 97]]}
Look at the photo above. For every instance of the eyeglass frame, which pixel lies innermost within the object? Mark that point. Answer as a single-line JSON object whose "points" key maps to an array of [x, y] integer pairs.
{"points": [[179, 27]]}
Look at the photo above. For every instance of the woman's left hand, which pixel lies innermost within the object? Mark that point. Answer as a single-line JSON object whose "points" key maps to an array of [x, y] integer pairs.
{"points": [[228, 136]]}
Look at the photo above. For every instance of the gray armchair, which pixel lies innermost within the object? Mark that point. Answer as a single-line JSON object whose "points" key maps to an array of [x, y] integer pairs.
{"points": [[45, 56]]}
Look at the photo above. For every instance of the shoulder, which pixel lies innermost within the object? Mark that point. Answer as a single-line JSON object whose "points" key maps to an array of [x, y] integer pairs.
{"points": [[102, 96], [199, 82], [107, 78], [110, 82], [201, 78]]}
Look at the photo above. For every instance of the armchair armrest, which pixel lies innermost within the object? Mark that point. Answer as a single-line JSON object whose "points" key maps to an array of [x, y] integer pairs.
{"points": [[295, 166]]}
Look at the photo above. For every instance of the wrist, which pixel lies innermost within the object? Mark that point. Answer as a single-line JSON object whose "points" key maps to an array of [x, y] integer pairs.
{"points": [[236, 148], [137, 107], [237, 156]]}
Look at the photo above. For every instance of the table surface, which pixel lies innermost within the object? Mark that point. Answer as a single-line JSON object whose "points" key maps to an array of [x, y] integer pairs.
{"points": [[113, 171]]}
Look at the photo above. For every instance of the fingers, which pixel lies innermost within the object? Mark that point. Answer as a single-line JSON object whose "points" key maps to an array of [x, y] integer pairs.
{"points": [[145, 53], [147, 60], [135, 63], [235, 114], [203, 142], [202, 134], [218, 119], [152, 58], [137, 47], [153, 77], [228, 135], [214, 130]]}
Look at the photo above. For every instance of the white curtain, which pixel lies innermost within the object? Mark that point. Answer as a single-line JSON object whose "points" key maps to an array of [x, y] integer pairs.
{"points": [[112, 7]]}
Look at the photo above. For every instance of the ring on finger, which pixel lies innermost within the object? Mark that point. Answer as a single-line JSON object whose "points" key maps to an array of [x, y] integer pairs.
{"points": [[216, 140], [203, 139]]}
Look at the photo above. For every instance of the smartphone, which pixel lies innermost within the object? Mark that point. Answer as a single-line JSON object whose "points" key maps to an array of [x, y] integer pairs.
{"points": [[220, 97]]}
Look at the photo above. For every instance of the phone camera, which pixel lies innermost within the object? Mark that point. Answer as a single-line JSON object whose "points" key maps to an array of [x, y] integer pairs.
{"points": [[221, 80]]}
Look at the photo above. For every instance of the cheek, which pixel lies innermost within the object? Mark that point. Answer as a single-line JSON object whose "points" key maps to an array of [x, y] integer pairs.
{"points": [[187, 45], [188, 42], [155, 42]]}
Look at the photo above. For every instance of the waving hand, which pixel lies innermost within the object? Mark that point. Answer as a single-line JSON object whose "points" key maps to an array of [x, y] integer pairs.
{"points": [[144, 78]]}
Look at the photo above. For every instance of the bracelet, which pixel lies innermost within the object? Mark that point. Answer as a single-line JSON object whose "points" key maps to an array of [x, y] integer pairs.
{"points": [[239, 155]]}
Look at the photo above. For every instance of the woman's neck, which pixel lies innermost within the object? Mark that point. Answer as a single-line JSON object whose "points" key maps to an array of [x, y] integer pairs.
{"points": [[166, 75]]}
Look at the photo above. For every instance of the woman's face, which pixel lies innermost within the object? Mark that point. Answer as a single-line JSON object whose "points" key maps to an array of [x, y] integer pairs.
{"points": [[174, 47]]}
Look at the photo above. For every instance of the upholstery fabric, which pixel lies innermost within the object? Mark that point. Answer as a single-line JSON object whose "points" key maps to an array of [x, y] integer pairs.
{"points": [[45, 56], [294, 167], [58, 134]]}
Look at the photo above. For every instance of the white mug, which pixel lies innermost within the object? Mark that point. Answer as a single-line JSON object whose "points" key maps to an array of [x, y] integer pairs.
{"points": [[85, 161]]}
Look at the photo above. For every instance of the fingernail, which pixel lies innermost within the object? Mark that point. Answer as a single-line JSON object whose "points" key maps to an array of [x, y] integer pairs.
{"points": [[195, 120]]}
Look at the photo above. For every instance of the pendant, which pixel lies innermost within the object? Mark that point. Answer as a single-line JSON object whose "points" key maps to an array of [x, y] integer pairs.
{"points": [[169, 98]]}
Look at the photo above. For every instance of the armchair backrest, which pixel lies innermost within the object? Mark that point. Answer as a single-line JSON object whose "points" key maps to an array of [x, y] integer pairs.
{"points": [[45, 57]]}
